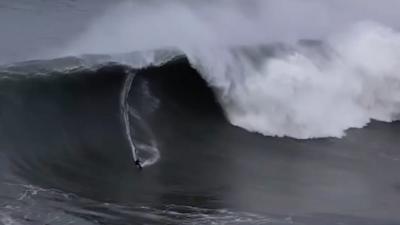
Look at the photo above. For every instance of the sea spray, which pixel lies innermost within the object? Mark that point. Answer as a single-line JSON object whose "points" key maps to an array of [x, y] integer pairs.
{"points": [[309, 91]]}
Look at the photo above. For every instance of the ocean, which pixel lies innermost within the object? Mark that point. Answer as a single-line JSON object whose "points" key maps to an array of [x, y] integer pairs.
{"points": [[238, 112]]}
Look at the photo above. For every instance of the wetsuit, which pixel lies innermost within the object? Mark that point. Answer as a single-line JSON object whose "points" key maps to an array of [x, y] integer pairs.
{"points": [[138, 164]]}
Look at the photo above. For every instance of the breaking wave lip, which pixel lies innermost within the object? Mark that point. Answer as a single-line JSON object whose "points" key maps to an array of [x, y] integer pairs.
{"points": [[311, 89]]}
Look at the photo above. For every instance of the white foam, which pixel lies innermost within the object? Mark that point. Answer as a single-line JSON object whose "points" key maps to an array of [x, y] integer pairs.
{"points": [[305, 95]]}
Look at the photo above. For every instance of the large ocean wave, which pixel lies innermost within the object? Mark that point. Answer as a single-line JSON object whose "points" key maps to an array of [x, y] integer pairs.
{"points": [[299, 79]]}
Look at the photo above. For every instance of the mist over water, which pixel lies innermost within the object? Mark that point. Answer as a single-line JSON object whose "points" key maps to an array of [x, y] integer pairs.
{"points": [[134, 25]]}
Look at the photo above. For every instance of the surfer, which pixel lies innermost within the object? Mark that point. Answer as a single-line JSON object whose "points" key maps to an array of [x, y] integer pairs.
{"points": [[138, 164]]}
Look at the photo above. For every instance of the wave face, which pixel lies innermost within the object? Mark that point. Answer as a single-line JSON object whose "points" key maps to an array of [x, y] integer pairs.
{"points": [[79, 113], [144, 95], [294, 78]]}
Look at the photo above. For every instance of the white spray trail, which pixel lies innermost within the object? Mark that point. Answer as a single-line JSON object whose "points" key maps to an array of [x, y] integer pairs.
{"points": [[151, 150], [125, 112]]}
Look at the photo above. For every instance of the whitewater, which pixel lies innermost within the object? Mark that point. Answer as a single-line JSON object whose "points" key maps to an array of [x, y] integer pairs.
{"points": [[304, 69]]}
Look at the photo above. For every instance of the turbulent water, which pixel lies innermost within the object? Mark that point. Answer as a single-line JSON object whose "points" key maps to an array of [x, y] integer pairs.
{"points": [[240, 113]]}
